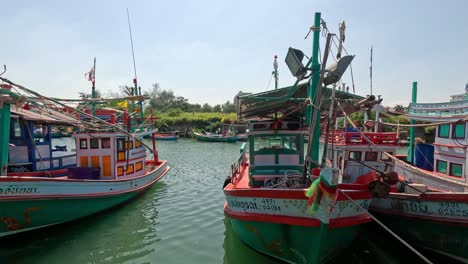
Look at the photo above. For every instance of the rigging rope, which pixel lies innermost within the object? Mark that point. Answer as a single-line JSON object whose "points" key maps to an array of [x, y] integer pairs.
{"points": [[404, 166], [418, 125], [44, 98]]}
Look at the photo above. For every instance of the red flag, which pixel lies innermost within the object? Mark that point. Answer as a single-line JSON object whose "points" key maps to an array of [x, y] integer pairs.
{"points": [[90, 75]]}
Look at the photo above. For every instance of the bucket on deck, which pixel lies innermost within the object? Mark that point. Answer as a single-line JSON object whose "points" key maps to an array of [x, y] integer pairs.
{"points": [[424, 156], [84, 173]]}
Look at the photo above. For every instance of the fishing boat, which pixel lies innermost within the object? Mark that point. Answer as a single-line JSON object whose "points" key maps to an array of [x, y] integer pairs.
{"points": [[167, 136], [213, 137], [112, 168], [430, 207], [278, 200]]}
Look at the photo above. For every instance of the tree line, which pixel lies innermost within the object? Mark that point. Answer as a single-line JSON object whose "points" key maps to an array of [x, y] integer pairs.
{"points": [[163, 101]]}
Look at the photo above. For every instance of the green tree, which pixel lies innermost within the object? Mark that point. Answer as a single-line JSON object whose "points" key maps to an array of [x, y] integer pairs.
{"points": [[207, 108], [217, 108], [228, 107]]}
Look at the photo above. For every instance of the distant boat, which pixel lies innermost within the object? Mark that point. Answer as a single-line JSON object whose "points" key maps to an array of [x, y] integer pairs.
{"points": [[166, 136], [215, 137]]}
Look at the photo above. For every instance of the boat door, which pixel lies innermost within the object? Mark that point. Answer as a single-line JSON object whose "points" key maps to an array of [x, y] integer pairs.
{"points": [[102, 155], [351, 166]]}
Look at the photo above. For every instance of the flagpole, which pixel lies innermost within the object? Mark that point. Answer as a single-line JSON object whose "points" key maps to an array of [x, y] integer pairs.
{"points": [[135, 81], [371, 70], [93, 89]]}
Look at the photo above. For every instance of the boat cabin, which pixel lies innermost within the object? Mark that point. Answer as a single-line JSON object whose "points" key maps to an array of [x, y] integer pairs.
{"points": [[448, 154], [31, 147], [355, 158], [276, 149], [108, 156]]}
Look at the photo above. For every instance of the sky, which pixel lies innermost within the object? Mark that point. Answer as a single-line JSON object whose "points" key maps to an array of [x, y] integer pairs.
{"points": [[207, 51]]}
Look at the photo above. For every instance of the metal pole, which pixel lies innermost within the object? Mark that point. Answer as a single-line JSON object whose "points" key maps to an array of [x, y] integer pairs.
{"points": [[93, 89], [5, 116], [414, 97], [275, 72], [314, 81]]}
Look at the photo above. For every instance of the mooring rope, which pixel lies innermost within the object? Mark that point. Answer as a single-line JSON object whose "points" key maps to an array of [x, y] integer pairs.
{"points": [[387, 229]]}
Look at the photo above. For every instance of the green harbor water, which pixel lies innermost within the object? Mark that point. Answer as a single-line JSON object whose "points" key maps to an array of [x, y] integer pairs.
{"points": [[179, 220]]}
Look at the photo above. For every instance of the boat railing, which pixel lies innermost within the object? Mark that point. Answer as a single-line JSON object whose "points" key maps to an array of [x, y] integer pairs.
{"points": [[237, 168], [447, 108], [343, 137]]}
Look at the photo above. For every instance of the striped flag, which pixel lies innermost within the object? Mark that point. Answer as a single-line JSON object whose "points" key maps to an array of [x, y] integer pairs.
{"points": [[90, 75]]}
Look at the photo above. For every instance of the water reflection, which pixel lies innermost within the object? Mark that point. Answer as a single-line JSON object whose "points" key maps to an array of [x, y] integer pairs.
{"points": [[126, 233], [237, 252]]}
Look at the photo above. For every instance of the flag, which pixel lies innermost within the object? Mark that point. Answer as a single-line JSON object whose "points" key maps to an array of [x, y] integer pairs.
{"points": [[123, 104], [90, 75]]}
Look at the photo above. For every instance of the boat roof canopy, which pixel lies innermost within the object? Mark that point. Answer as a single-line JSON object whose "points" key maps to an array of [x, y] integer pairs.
{"points": [[41, 116], [266, 104]]}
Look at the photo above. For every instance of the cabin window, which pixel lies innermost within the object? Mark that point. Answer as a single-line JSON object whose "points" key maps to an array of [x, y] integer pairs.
{"points": [[120, 144], [444, 131], [83, 143], [129, 144], [15, 128], [459, 131], [120, 171], [138, 144], [441, 166], [94, 143], [371, 156], [121, 149], [385, 157], [129, 169], [355, 155], [139, 166], [456, 169], [105, 143]]}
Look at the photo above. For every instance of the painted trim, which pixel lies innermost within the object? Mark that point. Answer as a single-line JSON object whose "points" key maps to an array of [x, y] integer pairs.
{"points": [[289, 194], [448, 145], [93, 195], [297, 221], [438, 220], [129, 160], [13, 178], [453, 156]]}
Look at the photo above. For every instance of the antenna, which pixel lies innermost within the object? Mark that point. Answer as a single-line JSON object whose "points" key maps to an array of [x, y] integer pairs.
{"points": [[135, 81], [371, 48], [133, 52]]}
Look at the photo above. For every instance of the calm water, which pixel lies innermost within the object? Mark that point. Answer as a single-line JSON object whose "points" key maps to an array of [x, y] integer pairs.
{"points": [[179, 220]]}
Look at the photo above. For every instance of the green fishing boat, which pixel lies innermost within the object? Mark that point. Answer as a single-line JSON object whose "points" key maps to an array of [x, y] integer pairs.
{"points": [[280, 200]]}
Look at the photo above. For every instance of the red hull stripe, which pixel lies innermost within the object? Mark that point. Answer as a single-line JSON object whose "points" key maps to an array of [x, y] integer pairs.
{"points": [[87, 195], [289, 194], [438, 220], [448, 155], [294, 220], [445, 197]]}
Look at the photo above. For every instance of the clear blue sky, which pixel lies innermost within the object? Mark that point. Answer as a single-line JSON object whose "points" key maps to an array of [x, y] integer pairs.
{"points": [[207, 51]]}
